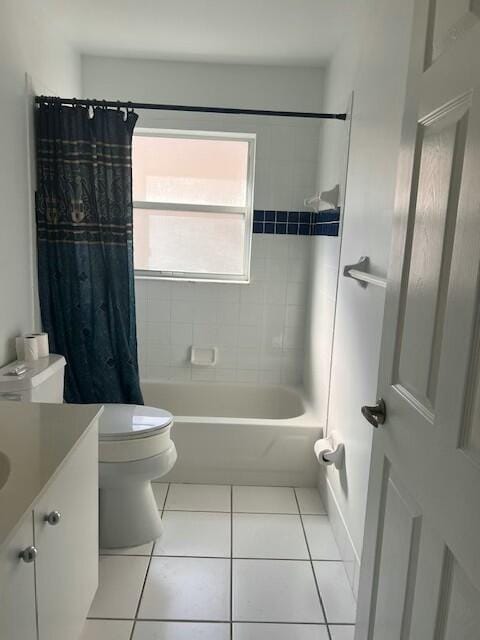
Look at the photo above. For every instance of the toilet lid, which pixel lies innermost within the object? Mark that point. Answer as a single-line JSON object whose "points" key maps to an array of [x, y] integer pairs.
{"points": [[122, 421]]}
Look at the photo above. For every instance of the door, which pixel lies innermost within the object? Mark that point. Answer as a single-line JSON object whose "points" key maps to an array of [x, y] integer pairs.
{"points": [[66, 538], [17, 585], [420, 576]]}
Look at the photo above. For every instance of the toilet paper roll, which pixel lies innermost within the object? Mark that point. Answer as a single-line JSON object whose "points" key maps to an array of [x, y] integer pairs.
{"points": [[30, 346], [320, 447], [19, 348], [42, 344]]}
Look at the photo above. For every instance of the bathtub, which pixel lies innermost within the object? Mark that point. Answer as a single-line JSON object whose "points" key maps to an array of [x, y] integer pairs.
{"points": [[239, 433]]}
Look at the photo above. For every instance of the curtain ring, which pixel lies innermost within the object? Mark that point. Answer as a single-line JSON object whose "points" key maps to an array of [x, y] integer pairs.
{"points": [[119, 110]]}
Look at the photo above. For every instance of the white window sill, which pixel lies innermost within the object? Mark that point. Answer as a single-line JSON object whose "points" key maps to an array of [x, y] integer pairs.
{"points": [[191, 279]]}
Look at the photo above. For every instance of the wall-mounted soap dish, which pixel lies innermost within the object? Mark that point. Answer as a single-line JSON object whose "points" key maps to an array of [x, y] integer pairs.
{"points": [[203, 356]]}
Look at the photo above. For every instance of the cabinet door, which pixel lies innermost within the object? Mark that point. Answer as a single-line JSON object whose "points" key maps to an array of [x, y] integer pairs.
{"points": [[17, 588], [67, 561]]}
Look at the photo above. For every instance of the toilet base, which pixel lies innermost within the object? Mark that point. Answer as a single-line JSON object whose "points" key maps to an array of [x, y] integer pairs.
{"points": [[129, 516]]}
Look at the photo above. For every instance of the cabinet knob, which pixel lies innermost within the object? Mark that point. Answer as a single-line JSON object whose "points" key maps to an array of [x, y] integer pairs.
{"points": [[28, 555], [53, 517]]}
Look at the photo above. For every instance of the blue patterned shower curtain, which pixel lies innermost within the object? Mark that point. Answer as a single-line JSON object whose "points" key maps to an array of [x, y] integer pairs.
{"points": [[85, 251]]}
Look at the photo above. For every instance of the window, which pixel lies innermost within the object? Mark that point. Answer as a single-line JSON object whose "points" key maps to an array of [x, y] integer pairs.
{"points": [[193, 202]]}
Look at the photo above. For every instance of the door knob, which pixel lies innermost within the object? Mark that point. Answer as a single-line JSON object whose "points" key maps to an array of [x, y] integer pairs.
{"points": [[376, 414], [53, 517], [28, 555]]}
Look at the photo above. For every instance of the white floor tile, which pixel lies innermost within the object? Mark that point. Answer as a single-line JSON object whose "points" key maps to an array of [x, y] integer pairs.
{"points": [[262, 631], [187, 589], [320, 538], [160, 492], [199, 497], [181, 631], [275, 591], [309, 501], [142, 550], [336, 592], [106, 630], [342, 632], [259, 535], [264, 500], [194, 533], [120, 584]]}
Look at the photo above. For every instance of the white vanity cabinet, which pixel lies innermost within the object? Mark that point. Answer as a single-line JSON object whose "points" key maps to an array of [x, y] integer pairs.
{"points": [[66, 539], [46, 594]]}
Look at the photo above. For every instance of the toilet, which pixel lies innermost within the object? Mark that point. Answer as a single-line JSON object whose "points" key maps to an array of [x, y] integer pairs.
{"points": [[134, 449]]}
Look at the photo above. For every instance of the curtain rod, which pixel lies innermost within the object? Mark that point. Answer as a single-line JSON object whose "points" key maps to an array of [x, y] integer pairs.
{"points": [[180, 107]]}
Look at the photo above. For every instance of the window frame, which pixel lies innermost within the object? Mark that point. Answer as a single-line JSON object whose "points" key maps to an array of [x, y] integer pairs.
{"points": [[247, 211]]}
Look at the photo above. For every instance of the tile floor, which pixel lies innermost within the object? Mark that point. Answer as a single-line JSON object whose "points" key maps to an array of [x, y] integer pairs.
{"points": [[233, 563]]}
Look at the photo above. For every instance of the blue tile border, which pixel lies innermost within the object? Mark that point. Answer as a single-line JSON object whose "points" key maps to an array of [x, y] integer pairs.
{"points": [[297, 223]]}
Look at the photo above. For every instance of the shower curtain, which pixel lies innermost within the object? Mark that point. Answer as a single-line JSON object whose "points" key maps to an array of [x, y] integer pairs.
{"points": [[85, 251]]}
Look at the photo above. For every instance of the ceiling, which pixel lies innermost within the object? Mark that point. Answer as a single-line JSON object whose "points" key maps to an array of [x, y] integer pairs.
{"points": [[279, 32]]}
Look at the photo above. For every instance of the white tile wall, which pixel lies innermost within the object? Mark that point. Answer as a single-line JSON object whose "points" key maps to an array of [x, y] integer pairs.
{"points": [[321, 317], [259, 328]]}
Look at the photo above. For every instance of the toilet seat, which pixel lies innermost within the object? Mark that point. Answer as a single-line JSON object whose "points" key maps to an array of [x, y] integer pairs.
{"points": [[133, 432], [125, 421]]}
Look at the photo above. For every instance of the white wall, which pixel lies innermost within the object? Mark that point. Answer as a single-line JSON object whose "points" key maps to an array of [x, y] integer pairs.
{"points": [[258, 328], [286, 149], [331, 170], [227, 85], [26, 46], [374, 65]]}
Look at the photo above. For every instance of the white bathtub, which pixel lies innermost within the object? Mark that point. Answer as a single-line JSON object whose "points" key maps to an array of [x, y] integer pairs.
{"points": [[239, 433]]}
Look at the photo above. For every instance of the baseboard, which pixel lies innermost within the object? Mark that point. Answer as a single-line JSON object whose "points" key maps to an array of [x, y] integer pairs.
{"points": [[349, 555], [189, 474]]}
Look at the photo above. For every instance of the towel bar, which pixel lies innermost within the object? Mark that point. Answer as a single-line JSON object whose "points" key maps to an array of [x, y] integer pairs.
{"points": [[358, 272]]}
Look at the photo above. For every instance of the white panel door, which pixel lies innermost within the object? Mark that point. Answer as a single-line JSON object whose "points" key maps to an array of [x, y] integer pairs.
{"points": [[67, 560], [420, 575]]}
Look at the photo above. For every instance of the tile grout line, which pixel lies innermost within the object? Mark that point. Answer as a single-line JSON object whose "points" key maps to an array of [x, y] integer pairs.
{"points": [[231, 562], [227, 557], [312, 567], [141, 595], [201, 621], [165, 499], [147, 571], [249, 513]]}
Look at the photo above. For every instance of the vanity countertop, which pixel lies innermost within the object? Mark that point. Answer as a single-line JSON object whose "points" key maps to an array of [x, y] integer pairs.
{"points": [[35, 440]]}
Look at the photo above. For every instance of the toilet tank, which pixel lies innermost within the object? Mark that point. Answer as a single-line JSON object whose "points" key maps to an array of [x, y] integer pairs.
{"points": [[38, 381]]}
